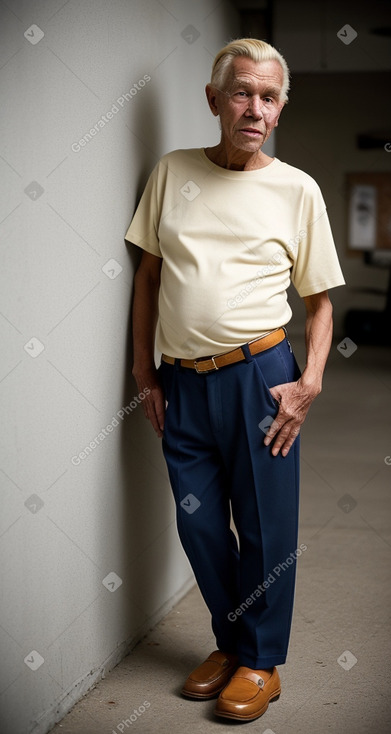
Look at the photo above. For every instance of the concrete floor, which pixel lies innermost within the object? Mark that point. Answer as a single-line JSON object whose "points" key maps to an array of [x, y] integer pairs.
{"points": [[337, 677]]}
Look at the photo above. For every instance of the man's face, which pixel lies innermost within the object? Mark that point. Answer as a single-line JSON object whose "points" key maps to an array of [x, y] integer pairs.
{"points": [[249, 106]]}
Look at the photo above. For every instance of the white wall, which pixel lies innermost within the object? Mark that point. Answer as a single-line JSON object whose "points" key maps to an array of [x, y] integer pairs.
{"points": [[67, 283]]}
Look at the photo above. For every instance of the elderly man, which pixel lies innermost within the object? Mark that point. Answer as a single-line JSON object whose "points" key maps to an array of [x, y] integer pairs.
{"points": [[223, 232]]}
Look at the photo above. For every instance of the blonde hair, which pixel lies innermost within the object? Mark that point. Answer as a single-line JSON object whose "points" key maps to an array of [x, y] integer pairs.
{"points": [[254, 49]]}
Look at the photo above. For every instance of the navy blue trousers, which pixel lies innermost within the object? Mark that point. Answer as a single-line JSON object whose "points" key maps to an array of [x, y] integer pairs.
{"points": [[218, 464]]}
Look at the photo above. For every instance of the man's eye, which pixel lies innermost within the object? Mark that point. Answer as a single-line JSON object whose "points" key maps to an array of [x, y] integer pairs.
{"points": [[241, 94], [269, 99]]}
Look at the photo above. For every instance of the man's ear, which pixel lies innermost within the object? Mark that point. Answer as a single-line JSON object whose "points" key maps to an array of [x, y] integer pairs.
{"points": [[212, 99]]}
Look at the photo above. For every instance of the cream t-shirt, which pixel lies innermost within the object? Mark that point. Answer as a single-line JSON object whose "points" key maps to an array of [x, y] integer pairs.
{"points": [[231, 242]]}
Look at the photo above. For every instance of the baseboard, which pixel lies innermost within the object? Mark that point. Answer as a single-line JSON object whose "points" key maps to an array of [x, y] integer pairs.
{"points": [[83, 685]]}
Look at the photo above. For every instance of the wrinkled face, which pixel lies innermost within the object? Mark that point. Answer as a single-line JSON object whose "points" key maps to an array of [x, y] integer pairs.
{"points": [[249, 105]]}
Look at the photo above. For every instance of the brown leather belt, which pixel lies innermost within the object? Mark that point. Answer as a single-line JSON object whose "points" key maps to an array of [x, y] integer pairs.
{"points": [[211, 364]]}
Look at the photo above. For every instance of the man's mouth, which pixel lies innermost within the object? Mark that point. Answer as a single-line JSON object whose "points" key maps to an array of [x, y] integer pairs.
{"points": [[251, 131]]}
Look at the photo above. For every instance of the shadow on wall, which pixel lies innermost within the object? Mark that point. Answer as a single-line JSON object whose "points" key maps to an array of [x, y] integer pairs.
{"points": [[147, 525], [147, 129], [145, 516]]}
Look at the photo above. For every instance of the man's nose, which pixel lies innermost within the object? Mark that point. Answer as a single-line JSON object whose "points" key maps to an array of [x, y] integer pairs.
{"points": [[255, 108]]}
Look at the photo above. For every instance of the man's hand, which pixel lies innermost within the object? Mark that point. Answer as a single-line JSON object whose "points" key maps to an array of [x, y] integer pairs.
{"points": [[153, 405], [294, 399]]}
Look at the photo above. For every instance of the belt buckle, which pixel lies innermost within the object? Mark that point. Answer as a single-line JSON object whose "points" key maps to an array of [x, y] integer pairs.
{"points": [[205, 359]]}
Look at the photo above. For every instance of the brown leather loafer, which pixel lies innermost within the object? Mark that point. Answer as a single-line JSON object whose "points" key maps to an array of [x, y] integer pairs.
{"points": [[247, 696], [211, 676]]}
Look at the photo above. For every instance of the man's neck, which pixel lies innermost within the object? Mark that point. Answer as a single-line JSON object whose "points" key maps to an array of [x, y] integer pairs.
{"points": [[237, 160]]}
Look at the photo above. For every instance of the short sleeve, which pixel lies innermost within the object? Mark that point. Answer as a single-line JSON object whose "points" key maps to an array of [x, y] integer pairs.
{"points": [[316, 266], [143, 229]]}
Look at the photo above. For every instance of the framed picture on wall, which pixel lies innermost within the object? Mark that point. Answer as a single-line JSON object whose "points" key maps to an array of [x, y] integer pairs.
{"points": [[369, 211]]}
